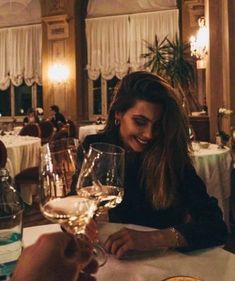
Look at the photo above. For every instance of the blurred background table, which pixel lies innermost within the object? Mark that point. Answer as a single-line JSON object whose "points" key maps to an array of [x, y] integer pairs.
{"points": [[213, 165], [22, 152], [89, 130]]}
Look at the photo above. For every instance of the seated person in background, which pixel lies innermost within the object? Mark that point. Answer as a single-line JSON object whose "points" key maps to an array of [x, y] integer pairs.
{"points": [[161, 188], [31, 116], [57, 118], [40, 113], [57, 256]]}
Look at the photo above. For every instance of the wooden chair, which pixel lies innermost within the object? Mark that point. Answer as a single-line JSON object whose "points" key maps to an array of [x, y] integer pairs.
{"points": [[30, 175], [27, 176], [72, 129], [61, 134], [32, 130], [201, 127], [47, 131]]}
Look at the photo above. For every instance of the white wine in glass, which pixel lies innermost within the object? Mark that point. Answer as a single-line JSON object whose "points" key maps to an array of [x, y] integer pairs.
{"points": [[71, 212], [102, 175]]}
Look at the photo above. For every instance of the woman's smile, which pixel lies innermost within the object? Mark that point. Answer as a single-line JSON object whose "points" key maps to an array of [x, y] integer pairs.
{"points": [[137, 124]]}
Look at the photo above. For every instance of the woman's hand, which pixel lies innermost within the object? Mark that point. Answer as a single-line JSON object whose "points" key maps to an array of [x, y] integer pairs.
{"points": [[128, 239]]}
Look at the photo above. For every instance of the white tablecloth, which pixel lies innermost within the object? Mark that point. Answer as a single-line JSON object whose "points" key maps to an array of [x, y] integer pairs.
{"points": [[213, 165], [89, 130], [23, 152], [214, 264]]}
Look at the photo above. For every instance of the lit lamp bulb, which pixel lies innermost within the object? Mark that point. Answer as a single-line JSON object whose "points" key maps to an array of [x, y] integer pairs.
{"points": [[58, 73], [199, 44]]}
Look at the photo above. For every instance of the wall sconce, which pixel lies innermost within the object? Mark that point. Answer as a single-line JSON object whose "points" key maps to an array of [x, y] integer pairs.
{"points": [[58, 73], [199, 44]]}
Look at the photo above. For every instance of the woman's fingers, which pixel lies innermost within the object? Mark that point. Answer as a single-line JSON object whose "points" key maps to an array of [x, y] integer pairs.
{"points": [[119, 243]]}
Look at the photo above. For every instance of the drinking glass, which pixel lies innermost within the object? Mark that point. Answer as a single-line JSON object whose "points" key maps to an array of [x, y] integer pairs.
{"points": [[102, 176], [70, 211], [10, 237]]}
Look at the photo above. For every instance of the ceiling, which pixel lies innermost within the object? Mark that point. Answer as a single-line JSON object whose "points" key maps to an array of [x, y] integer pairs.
{"points": [[19, 12]]}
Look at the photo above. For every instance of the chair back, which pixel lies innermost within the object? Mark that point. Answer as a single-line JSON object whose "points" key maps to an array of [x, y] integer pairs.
{"points": [[32, 130], [47, 131], [72, 129], [3, 155], [61, 134]]}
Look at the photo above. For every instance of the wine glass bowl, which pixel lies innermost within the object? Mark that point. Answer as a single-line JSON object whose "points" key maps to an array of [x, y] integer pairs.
{"points": [[57, 205], [102, 175], [56, 178]]}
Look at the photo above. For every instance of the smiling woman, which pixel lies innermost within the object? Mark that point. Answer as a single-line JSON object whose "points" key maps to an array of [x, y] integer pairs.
{"points": [[136, 125], [161, 187]]}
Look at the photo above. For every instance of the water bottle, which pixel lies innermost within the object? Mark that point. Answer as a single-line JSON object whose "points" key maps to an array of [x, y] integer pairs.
{"points": [[11, 210]]}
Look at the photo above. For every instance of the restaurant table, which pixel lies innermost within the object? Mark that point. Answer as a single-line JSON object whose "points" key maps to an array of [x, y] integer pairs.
{"points": [[213, 264], [213, 165], [89, 130], [22, 152]]}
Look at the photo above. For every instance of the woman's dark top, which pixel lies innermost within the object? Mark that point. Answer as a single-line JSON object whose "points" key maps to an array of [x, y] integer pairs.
{"points": [[205, 226]]}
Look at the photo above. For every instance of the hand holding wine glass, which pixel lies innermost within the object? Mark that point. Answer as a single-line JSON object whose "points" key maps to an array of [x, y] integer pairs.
{"points": [[71, 212]]}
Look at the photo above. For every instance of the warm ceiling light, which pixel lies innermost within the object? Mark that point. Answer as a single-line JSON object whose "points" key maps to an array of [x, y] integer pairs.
{"points": [[199, 44]]}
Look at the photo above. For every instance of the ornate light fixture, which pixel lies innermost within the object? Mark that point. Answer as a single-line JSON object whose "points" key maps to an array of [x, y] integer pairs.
{"points": [[199, 44]]}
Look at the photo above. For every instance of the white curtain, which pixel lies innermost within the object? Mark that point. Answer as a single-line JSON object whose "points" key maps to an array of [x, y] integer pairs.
{"points": [[144, 27], [115, 44], [20, 55], [4, 66], [107, 47]]}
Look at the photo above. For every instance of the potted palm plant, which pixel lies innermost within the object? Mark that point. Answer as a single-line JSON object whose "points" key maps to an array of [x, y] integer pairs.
{"points": [[169, 59]]}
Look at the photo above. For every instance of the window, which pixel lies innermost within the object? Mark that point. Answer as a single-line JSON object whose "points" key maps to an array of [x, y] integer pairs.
{"points": [[100, 96], [15, 101], [5, 102]]}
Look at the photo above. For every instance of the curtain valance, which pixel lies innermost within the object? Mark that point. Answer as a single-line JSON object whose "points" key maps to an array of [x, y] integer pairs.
{"points": [[20, 55], [115, 44]]}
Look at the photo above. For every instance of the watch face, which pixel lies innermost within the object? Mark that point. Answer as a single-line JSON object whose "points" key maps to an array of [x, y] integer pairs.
{"points": [[182, 278]]}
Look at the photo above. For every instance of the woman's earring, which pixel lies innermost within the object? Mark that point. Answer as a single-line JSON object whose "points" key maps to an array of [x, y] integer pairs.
{"points": [[116, 122]]}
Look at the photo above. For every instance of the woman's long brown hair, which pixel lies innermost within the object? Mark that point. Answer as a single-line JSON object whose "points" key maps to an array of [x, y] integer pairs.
{"points": [[167, 156]]}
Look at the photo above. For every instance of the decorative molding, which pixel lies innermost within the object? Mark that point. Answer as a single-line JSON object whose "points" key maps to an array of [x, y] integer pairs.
{"points": [[57, 27], [57, 6], [196, 10]]}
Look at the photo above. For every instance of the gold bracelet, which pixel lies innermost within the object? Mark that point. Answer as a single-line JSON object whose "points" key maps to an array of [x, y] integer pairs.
{"points": [[177, 238]]}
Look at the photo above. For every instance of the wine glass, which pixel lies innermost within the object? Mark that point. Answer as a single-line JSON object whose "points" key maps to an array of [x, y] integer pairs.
{"points": [[102, 176], [56, 204]]}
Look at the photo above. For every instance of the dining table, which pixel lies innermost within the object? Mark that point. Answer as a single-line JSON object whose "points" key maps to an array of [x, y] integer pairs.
{"points": [[91, 129], [22, 152], [214, 165], [212, 264]]}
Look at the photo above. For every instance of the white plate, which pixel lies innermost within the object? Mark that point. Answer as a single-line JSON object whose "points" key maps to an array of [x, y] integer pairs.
{"points": [[182, 278]]}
